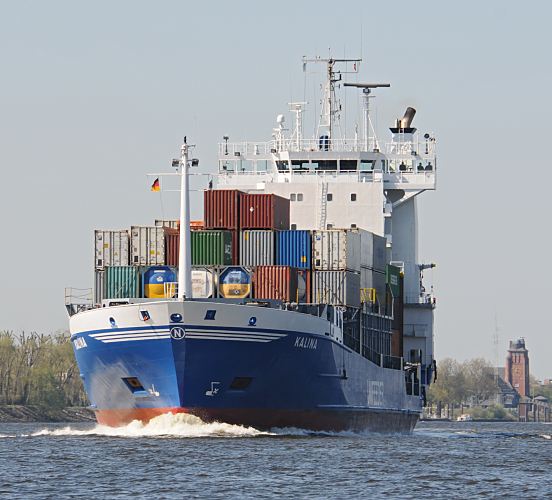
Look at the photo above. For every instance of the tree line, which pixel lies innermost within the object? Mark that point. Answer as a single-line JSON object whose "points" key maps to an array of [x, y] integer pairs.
{"points": [[39, 369], [468, 382]]}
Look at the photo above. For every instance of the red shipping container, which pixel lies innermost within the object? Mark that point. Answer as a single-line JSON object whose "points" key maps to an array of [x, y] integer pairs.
{"points": [[263, 211], [172, 244], [221, 208], [276, 283]]}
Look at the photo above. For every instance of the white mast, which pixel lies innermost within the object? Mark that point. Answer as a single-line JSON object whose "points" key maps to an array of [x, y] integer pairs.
{"points": [[185, 248], [366, 91]]}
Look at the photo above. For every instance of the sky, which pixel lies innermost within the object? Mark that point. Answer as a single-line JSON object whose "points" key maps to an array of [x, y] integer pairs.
{"points": [[95, 95]]}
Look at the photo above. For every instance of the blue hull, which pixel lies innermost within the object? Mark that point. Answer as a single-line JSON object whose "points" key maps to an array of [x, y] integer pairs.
{"points": [[261, 377]]}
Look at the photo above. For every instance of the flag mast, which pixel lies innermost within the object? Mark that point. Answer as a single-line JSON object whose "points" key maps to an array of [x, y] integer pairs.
{"points": [[184, 253]]}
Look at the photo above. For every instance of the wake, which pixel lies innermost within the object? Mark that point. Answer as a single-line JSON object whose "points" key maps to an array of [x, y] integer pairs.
{"points": [[180, 425]]}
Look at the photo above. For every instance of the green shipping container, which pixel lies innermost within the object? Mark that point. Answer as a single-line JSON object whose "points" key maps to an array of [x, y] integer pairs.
{"points": [[393, 279], [122, 282], [211, 248]]}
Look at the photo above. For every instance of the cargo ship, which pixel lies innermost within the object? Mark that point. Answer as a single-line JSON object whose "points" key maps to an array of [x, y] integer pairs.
{"points": [[298, 300]]}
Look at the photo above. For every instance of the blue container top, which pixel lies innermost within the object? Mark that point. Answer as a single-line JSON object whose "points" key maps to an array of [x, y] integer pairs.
{"points": [[293, 248]]}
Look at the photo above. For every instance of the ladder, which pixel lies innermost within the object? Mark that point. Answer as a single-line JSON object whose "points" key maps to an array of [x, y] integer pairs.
{"points": [[323, 204]]}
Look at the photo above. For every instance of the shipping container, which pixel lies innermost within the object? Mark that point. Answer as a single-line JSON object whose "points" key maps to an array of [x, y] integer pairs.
{"points": [[256, 247], [263, 211], [336, 250], [170, 223], [112, 248], [235, 248], [122, 282], [304, 285], [393, 279], [99, 286], [373, 250], [234, 283], [221, 208], [293, 248], [203, 283], [275, 282], [212, 248], [338, 288], [172, 246], [158, 282], [373, 279], [147, 246]]}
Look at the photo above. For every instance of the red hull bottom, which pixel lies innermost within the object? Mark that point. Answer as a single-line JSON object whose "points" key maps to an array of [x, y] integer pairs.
{"points": [[316, 420]]}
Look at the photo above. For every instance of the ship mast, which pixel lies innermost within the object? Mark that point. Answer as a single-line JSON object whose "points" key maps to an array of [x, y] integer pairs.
{"points": [[185, 247], [329, 107]]}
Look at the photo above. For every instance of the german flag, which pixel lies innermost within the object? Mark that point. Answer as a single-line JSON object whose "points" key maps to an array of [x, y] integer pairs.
{"points": [[156, 186]]}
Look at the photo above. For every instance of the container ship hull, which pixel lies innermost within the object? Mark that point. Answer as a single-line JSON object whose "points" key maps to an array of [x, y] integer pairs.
{"points": [[240, 364]]}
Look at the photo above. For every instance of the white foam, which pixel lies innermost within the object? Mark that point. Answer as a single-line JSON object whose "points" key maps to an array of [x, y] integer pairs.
{"points": [[546, 436], [180, 425]]}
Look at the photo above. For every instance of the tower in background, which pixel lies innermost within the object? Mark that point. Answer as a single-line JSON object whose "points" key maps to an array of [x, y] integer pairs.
{"points": [[517, 367]]}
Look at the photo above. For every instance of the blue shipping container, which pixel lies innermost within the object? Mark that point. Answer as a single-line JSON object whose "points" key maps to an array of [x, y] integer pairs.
{"points": [[293, 248]]}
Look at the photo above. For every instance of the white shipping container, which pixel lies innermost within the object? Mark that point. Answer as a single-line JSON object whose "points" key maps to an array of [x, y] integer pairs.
{"points": [[173, 224], [112, 248], [256, 248], [99, 286], [147, 244], [202, 283], [338, 288], [336, 250]]}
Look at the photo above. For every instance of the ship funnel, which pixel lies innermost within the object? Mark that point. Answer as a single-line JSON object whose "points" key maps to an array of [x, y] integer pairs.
{"points": [[404, 125], [406, 120]]}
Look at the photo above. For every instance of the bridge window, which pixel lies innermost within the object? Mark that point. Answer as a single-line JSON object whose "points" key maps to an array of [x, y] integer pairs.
{"points": [[353, 196], [299, 196], [300, 165], [292, 197], [282, 166], [329, 197], [325, 165], [348, 165], [366, 165]]}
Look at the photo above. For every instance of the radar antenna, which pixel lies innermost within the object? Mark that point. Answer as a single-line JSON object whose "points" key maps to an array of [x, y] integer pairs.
{"points": [[370, 142]]}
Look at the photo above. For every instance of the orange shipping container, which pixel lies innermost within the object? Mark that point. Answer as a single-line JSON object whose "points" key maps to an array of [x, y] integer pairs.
{"points": [[276, 283]]}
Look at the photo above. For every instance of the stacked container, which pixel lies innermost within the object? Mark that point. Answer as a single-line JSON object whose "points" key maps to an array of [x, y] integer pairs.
{"points": [[256, 247], [276, 283], [336, 250], [263, 211], [339, 288], [111, 248], [122, 282], [147, 246], [293, 248], [221, 208], [211, 248]]}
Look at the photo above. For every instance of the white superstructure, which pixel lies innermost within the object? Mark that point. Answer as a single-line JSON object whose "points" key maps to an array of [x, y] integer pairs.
{"points": [[338, 182]]}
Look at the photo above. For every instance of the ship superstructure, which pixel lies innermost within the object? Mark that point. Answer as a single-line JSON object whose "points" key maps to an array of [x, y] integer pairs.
{"points": [[335, 182], [350, 348]]}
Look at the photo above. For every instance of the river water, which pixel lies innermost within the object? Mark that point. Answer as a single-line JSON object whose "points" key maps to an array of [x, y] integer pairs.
{"points": [[181, 457]]}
